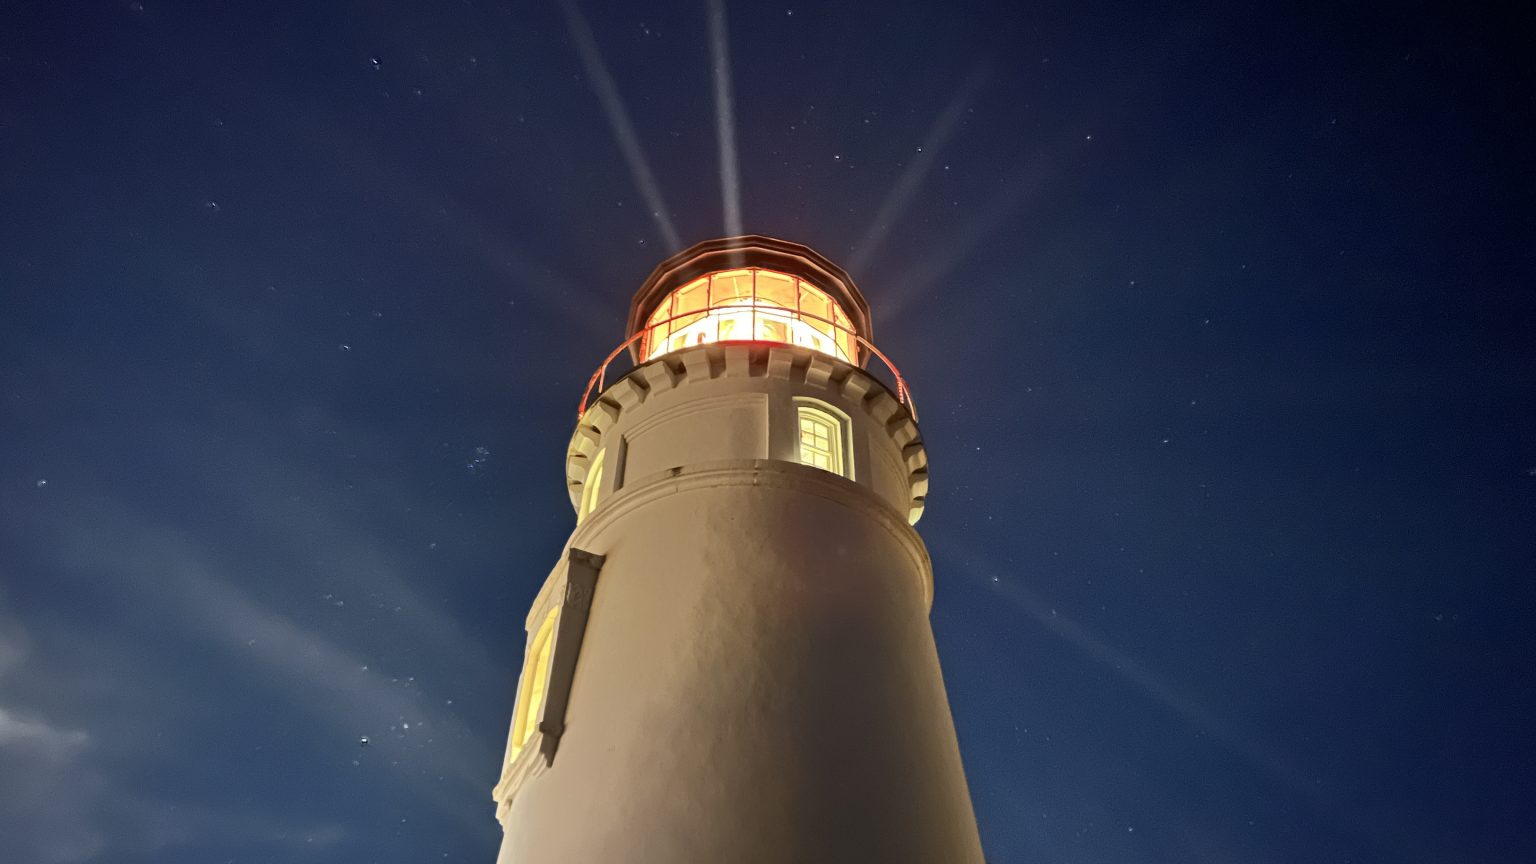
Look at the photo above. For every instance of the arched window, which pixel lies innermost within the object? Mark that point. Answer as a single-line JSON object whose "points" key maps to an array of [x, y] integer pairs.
{"points": [[535, 684], [823, 438], [591, 488]]}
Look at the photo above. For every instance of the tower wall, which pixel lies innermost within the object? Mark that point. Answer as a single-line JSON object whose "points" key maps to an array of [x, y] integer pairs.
{"points": [[758, 680], [737, 401]]}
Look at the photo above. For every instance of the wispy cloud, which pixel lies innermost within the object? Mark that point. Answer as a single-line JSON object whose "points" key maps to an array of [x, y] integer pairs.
{"points": [[39, 735], [196, 589], [50, 799], [292, 592], [63, 800]]}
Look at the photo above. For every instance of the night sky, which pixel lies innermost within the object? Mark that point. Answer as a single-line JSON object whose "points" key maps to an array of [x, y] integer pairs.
{"points": [[1220, 321]]}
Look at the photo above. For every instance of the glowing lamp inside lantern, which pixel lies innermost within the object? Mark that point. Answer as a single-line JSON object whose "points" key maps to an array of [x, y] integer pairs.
{"points": [[749, 305]]}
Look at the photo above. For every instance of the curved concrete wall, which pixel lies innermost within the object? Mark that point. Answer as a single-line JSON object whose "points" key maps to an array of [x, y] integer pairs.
{"points": [[758, 683]]}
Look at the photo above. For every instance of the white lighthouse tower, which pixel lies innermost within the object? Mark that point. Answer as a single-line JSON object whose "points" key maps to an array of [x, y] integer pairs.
{"points": [[731, 662]]}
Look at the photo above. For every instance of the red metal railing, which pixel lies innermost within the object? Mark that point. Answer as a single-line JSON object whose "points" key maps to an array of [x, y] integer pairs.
{"points": [[598, 382]]}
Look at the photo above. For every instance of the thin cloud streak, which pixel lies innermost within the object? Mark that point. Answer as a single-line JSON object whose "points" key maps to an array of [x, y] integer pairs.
{"points": [[18, 731], [172, 576], [329, 666], [63, 801], [618, 120], [336, 683], [725, 119], [900, 197]]}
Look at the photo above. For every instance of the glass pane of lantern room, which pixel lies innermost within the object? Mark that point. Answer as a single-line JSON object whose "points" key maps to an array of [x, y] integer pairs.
{"points": [[658, 328], [692, 297], [816, 308], [731, 288], [688, 328], [730, 302], [773, 328], [775, 289], [775, 306], [844, 333]]}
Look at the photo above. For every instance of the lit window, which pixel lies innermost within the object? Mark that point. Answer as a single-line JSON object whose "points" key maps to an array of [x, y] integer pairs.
{"points": [[753, 305], [530, 697], [821, 436], [591, 488], [549, 669]]}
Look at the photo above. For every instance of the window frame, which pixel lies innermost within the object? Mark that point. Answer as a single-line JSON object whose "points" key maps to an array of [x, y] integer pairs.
{"points": [[533, 683], [841, 437], [592, 487], [561, 609]]}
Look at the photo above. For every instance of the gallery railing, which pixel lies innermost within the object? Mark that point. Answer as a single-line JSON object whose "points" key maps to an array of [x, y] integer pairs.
{"points": [[598, 382]]}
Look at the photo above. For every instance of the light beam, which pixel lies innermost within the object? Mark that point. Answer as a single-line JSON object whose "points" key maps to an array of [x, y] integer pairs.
{"points": [[618, 120], [1122, 664], [988, 218], [1359, 815], [725, 119], [900, 196]]}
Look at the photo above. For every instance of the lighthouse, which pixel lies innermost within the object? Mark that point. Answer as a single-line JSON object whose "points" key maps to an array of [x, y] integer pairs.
{"points": [[731, 661]]}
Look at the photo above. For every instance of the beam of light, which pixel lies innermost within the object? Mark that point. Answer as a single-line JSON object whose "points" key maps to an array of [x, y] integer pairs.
{"points": [[901, 195], [987, 575], [380, 174], [1022, 184], [618, 120], [725, 118], [1357, 815]]}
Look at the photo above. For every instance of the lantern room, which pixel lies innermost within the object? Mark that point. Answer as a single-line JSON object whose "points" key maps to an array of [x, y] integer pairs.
{"points": [[749, 289], [752, 304]]}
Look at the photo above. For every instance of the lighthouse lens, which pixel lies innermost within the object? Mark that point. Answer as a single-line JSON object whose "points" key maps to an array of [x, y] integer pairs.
{"points": [[751, 304]]}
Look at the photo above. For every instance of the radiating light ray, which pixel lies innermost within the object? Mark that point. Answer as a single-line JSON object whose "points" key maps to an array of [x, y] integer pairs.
{"points": [[900, 197], [1096, 649], [383, 176], [725, 118], [1023, 184], [618, 120], [1356, 815]]}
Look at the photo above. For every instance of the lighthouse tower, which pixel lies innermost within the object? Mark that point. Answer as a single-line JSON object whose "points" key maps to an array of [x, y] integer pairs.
{"points": [[731, 662]]}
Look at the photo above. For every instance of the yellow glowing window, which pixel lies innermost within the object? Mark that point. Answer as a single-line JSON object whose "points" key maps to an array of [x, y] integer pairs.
{"points": [[530, 697], [821, 440], [753, 305], [591, 488]]}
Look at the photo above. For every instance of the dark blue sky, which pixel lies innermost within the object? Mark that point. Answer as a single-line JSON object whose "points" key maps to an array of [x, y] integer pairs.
{"points": [[1221, 321]]}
